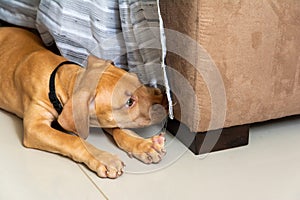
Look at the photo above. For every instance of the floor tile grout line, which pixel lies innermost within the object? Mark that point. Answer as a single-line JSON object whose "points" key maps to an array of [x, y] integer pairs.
{"points": [[92, 181]]}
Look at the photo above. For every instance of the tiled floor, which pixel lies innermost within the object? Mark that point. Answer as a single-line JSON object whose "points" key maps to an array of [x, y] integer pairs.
{"points": [[268, 168]]}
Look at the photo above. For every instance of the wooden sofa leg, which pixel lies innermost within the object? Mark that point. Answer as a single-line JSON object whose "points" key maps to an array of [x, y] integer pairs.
{"points": [[215, 140]]}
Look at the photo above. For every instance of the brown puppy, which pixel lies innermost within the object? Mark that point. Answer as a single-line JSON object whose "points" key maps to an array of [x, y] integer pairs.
{"points": [[102, 95]]}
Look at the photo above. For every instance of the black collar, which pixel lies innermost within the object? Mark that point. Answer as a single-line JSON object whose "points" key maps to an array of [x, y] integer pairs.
{"points": [[52, 94]]}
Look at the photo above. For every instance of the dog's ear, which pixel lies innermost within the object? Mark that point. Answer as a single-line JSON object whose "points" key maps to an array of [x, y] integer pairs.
{"points": [[76, 112]]}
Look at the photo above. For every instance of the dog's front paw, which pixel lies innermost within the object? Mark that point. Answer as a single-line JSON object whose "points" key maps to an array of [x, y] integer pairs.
{"points": [[106, 165], [150, 150]]}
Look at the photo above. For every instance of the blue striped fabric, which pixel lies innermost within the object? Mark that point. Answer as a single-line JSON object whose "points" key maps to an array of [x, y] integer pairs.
{"points": [[125, 31]]}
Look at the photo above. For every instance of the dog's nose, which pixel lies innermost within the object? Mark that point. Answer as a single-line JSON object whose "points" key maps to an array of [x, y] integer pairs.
{"points": [[158, 89], [159, 96], [162, 89], [164, 101]]}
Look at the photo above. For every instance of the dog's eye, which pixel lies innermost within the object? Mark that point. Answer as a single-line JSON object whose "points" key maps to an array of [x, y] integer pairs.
{"points": [[130, 102]]}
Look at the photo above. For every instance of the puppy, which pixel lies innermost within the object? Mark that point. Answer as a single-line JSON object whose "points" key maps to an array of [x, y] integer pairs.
{"points": [[74, 98]]}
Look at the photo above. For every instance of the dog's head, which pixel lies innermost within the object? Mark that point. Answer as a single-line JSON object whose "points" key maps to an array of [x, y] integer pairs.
{"points": [[109, 97]]}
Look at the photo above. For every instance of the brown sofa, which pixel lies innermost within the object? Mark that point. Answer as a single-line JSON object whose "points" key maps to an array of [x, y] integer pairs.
{"points": [[255, 46]]}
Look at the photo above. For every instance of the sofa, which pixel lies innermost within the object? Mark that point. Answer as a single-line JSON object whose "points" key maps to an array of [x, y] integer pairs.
{"points": [[254, 46]]}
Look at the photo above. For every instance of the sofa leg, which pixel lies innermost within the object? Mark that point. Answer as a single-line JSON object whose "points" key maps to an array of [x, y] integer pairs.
{"points": [[215, 140]]}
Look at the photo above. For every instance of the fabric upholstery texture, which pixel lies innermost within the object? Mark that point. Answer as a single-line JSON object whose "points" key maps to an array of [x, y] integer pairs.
{"points": [[256, 47]]}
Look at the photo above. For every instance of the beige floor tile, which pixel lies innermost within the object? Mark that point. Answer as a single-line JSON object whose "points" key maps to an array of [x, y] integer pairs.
{"points": [[28, 174], [268, 168]]}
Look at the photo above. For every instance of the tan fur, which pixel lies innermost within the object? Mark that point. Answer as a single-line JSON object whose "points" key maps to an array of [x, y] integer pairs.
{"points": [[95, 96]]}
